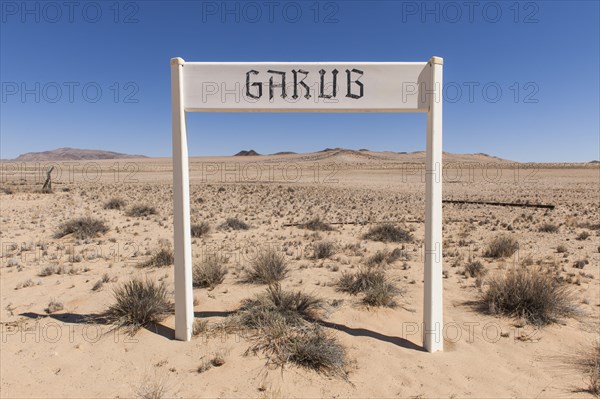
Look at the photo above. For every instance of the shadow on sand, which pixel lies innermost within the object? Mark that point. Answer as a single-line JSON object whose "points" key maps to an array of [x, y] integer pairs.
{"points": [[363, 332], [169, 333]]}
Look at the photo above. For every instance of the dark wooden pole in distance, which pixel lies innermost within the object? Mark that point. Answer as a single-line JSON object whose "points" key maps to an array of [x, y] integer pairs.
{"points": [[544, 206], [48, 183]]}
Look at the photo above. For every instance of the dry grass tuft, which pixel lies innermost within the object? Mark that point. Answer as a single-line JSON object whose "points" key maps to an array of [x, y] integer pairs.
{"points": [[382, 292], [54, 306], [589, 362], [153, 387], [285, 331], [82, 228], [316, 224], [586, 360], [164, 257], [584, 235], [530, 293], [141, 211], [382, 258], [387, 232], [378, 288], [234, 224], [501, 247], [323, 249], [475, 269], [308, 346], [139, 303], [290, 306], [200, 229], [548, 228], [268, 267], [115, 203], [210, 272]]}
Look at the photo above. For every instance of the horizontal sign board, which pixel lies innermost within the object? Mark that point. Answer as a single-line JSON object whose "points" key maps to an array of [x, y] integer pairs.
{"points": [[306, 87]]}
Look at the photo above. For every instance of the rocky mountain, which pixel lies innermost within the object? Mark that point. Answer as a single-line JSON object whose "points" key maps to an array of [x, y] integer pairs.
{"points": [[72, 154]]}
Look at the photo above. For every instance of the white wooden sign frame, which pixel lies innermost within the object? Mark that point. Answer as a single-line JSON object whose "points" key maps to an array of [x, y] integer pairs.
{"points": [[309, 87]]}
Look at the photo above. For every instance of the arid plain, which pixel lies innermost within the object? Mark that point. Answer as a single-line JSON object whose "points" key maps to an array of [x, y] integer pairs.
{"points": [[56, 288]]}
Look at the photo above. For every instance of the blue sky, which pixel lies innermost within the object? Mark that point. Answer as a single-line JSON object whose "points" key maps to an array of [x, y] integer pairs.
{"points": [[96, 74]]}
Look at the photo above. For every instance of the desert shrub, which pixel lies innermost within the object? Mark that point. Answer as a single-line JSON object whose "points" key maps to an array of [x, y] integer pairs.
{"points": [[277, 304], [475, 269], [315, 349], [387, 232], [234, 224], [534, 294], [382, 292], [210, 272], [54, 306], [308, 346], [561, 248], [141, 211], [164, 257], [548, 228], [316, 224], [199, 327], [114, 203], [139, 303], [586, 360], [378, 288], [62, 269], [82, 228], [590, 359], [25, 284], [378, 259], [48, 271], [384, 257], [323, 249], [153, 387], [359, 281], [396, 254], [268, 267], [594, 383], [591, 362], [199, 229], [583, 236], [284, 328], [501, 247]]}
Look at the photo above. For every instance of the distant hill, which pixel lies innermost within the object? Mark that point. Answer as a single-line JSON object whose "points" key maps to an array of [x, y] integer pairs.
{"points": [[285, 153], [72, 154], [245, 153]]}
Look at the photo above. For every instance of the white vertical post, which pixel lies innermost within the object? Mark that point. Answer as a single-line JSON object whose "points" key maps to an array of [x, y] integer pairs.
{"points": [[433, 340], [184, 306]]}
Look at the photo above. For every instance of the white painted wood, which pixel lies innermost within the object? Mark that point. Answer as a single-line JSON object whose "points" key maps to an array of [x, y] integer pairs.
{"points": [[388, 87], [433, 307], [184, 306]]}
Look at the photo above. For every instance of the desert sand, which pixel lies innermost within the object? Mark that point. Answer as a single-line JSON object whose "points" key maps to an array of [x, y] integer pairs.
{"points": [[62, 354]]}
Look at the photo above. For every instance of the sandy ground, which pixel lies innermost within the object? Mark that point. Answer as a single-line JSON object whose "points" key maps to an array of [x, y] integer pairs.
{"points": [[60, 355]]}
